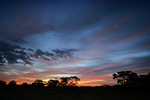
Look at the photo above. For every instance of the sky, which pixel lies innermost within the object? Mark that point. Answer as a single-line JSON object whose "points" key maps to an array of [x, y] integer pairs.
{"points": [[90, 39]]}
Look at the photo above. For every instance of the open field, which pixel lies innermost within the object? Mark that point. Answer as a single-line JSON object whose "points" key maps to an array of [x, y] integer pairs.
{"points": [[71, 94]]}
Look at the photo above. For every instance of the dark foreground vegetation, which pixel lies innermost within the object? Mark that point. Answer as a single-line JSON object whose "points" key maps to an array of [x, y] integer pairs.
{"points": [[70, 93], [130, 87]]}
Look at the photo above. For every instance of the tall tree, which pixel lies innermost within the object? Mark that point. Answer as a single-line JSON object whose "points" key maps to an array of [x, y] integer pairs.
{"points": [[126, 77], [52, 83], [64, 81], [73, 80]]}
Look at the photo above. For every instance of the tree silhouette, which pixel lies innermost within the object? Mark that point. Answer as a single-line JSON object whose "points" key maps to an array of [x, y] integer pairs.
{"points": [[69, 81], [52, 83], [12, 83], [126, 77], [144, 80], [24, 84], [64, 81], [38, 83], [73, 80], [2, 83]]}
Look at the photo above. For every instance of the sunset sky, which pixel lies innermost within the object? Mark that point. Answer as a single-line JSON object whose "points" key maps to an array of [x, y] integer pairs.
{"points": [[90, 39]]}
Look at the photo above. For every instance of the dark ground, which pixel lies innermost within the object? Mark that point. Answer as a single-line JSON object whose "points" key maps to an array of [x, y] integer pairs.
{"points": [[72, 94]]}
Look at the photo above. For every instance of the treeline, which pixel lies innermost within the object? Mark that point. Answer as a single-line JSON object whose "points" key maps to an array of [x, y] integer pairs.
{"points": [[125, 79], [64, 81], [129, 79]]}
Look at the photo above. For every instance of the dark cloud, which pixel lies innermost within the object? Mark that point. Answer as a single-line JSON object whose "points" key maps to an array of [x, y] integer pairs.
{"points": [[57, 53], [143, 45], [141, 61], [12, 54], [64, 53], [44, 55], [21, 18], [30, 49], [17, 40]]}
